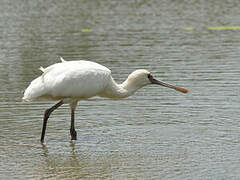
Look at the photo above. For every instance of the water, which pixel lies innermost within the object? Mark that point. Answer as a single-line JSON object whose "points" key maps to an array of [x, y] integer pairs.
{"points": [[157, 133]]}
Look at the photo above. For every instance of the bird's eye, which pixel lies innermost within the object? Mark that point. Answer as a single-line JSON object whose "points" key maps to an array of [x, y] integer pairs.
{"points": [[150, 76]]}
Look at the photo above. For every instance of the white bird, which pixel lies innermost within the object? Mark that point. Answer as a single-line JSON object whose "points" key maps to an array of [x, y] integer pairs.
{"points": [[71, 81]]}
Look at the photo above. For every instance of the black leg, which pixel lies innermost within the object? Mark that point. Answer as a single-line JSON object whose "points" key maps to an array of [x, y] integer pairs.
{"points": [[72, 128], [46, 116]]}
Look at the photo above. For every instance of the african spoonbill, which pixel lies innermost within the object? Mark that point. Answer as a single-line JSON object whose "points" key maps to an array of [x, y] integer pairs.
{"points": [[71, 81]]}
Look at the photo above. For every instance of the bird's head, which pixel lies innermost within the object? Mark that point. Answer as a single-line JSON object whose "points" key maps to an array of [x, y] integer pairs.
{"points": [[139, 78], [142, 77]]}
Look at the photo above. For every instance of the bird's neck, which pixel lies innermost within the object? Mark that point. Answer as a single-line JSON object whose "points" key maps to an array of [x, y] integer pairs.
{"points": [[119, 91]]}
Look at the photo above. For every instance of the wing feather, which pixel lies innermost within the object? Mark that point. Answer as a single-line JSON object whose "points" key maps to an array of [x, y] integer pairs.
{"points": [[74, 79]]}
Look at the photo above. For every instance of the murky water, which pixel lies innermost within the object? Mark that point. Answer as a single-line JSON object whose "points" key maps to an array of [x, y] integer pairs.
{"points": [[157, 133]]}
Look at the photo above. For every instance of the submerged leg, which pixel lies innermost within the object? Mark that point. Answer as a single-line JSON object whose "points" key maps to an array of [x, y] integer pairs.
{"points": [[46, 116], [72, 128]]}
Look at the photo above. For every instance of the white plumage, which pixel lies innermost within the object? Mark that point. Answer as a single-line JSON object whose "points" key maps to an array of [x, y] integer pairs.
{"points": [[71, 81]]}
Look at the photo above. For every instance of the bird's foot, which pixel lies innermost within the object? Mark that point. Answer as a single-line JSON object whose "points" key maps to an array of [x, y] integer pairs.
{"points": [[73, 134]]}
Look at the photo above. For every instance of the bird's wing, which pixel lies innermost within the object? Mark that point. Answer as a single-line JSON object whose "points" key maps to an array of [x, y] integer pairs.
{"points": [[69, 79], [81, 79]]}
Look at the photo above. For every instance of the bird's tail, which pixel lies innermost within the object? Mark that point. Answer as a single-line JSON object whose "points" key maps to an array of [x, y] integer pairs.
{"points": [[25, 99], [34, 90]]}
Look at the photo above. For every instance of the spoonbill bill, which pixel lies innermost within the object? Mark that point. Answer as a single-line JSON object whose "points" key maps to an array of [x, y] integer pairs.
{"points": [[71, 81]]}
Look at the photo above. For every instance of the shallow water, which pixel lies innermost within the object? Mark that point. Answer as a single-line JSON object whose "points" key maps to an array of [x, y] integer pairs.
{"points": [[158, 132]]}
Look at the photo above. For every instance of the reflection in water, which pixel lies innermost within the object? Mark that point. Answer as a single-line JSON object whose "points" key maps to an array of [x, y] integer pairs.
{"points": [[74, 165], [108, 164]]}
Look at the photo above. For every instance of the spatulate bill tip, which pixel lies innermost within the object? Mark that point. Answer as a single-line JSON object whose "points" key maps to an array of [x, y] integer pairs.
{"points": [[183, 90]]}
